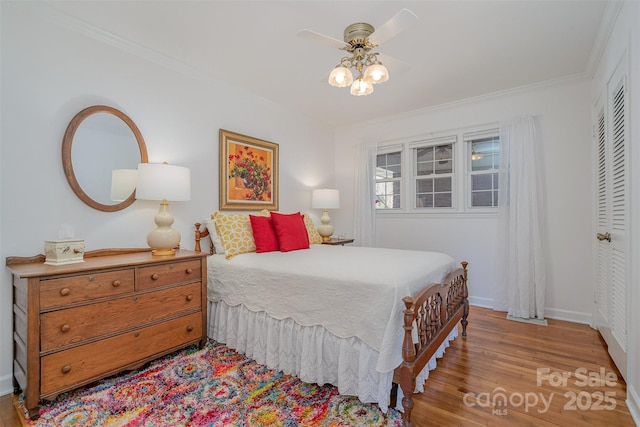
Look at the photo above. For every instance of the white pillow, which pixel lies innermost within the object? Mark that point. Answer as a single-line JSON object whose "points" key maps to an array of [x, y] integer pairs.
{"points": [[215, 238]]}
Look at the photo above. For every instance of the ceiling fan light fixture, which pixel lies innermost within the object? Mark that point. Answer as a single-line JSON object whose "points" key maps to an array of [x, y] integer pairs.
{"points": [[340, 76], [361, 87], [376, 73]]}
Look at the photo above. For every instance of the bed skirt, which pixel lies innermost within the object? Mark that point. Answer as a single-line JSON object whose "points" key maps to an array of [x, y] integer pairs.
{"points": [[310, 353]]}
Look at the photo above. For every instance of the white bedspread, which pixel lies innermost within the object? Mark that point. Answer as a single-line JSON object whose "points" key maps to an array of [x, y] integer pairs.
{"points": [[351, 291]]}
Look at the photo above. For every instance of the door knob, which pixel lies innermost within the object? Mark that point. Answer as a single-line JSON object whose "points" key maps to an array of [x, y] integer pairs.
{"points": [[604, 236]]}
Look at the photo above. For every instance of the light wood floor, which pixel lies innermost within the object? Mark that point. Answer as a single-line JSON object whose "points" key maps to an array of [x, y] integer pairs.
{"points": [[503, 356]]}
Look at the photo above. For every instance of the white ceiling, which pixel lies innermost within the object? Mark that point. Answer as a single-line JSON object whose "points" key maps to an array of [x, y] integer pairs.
{"points": [[456, 50]]}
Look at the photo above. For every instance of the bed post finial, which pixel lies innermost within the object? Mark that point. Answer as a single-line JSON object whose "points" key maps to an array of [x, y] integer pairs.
{"points": [[197, 246], [465, 300]]}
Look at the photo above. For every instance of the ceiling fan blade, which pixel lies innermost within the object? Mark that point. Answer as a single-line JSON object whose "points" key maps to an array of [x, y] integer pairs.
{"points": [[321, 38], [394, 26], [393, 65]]}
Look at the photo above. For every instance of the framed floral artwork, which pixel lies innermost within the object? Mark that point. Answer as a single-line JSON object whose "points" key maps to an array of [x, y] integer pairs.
{"points": [[248, 172]]}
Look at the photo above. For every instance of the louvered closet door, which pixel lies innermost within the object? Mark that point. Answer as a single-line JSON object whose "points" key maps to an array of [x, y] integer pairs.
{"points": [[612, 218]]}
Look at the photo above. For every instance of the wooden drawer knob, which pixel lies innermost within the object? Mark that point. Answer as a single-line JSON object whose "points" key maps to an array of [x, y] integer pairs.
{"points": [[116, 283], [155, 276], [189, 270], [66, 369], [189, 297], [189, 328], [65, 291], [65, 328]]}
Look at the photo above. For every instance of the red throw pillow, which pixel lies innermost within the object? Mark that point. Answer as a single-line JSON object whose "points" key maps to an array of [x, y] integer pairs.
{"points": [[291, 231], [264, 234]]}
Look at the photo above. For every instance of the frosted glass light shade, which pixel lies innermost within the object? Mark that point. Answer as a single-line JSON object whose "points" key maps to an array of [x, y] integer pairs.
{"points": [[361, 87], [376, 73], [163, 182], [325, 198], [123, 184], [340, 77]]}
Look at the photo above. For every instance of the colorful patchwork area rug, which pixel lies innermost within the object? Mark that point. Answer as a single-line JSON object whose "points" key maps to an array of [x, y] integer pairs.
{"points": [[213, 386]]}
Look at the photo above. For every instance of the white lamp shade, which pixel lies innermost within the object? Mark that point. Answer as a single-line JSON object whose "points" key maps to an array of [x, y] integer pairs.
{"points": [[376, 73], [361, 87], [157, 181], [123, 183], [340, 77], [325, 198]]}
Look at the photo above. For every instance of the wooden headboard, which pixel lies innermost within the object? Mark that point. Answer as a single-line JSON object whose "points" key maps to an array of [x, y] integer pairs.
{"points": [[199, 236]]}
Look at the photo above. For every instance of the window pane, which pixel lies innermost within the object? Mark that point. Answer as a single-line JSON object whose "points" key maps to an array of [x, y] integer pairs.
{"points": [[443, 152], [481, 182], [424, 168], [442, 200], [442, 185], [395, 171], [444, 166], [482, 198], [393, 158], [485, 153], [424, 185], [424, 201], [396, 202], [424, 154]]}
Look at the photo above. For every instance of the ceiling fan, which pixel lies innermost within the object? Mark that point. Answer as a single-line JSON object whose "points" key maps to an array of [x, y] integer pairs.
{"points": [[360, 40]]}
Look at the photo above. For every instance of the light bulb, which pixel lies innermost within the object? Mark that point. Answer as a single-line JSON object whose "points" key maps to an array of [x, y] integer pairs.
{"points": [[376, 73], [340, 77]]}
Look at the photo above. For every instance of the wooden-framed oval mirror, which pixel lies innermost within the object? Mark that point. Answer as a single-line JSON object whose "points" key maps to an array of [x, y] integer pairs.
{"points": [[99, 140]]}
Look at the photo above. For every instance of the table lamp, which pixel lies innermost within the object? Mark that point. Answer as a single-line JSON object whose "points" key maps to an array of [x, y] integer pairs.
{"points": [[325, 199], [163, 182], [123, 184]]}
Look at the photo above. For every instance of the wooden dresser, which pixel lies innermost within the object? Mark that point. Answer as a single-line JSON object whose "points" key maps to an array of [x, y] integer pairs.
{"points": [[74, 324]]}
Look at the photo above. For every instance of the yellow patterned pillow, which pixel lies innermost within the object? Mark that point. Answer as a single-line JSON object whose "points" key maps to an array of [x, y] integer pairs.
{"points": [[314, 236], [235, 233]]}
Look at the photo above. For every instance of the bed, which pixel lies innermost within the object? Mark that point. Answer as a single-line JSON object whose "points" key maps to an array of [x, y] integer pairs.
{"points": [[366, 320]]}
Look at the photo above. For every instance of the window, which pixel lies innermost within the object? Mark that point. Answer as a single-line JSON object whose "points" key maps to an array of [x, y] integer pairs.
{"points": [[388, 176], [484, 156], [434, 176], [453, 172]]}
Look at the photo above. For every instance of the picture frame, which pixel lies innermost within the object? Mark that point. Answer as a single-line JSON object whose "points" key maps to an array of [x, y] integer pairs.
{"points": [[248, 172]]}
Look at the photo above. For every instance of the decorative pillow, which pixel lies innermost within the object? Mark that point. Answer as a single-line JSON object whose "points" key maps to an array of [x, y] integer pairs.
{"points": [[264, 234], [291, 231], [314, 236], [213, 234], [235, 233]]}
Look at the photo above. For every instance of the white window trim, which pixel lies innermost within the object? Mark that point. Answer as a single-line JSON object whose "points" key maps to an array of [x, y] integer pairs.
{"points": [[461, 180], [467, 138]]}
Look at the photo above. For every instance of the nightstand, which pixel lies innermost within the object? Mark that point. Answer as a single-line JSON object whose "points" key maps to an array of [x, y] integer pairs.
{"points": [[336, 242]]}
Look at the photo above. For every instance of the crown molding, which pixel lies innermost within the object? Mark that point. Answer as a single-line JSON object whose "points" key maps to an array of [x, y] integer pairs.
{"points": [[49, 13], [480, 98], [607, 24]]}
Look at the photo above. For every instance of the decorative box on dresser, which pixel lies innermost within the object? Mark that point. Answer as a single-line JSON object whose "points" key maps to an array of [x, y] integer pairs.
{"points": [[76, 323]]}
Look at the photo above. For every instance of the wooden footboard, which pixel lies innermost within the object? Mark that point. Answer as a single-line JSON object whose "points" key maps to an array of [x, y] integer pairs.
{"points": [[434, 312]]}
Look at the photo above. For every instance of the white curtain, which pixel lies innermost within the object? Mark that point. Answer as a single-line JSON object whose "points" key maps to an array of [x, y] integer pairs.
{"points": [[365, 208], [520, 264]]}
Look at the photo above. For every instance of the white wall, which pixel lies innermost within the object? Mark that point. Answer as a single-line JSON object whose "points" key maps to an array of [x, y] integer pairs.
{"points": [[625, 40], [563, 113], [51, 72]]}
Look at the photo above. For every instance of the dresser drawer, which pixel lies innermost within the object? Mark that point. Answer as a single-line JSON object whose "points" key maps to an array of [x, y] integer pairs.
{"points": [[75, 325], [68, 290], [166, 274], [67, 369]]}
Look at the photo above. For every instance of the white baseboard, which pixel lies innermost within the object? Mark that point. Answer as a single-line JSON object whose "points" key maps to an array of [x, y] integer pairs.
{"points": [[6, 384], [549, 313], [633, 403], [481, 302]]}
